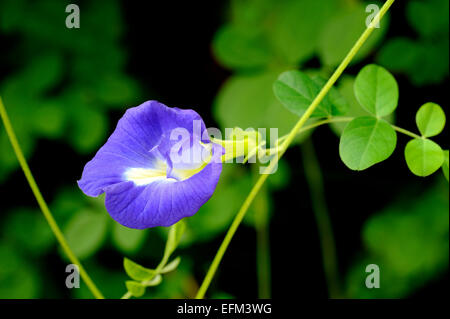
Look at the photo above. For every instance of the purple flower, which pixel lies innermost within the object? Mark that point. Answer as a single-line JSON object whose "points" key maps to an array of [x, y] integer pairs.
{"points": [[157, 167]]}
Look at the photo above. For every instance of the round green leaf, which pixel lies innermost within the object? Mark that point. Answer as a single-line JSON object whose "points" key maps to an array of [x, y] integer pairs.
{"points": [[19, 279], [241, 48], [49, 118], [248, 101], [376, 90], [366, 141], [423, 156], [297, 26], [127, 240], [430, 119], [85, 232], [28, 229]]}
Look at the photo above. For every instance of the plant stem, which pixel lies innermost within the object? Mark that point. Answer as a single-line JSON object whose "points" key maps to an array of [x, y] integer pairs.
{"points": [[323, 92], [43, 205], [263, 268], [406, 132], [314, 179], [263, 256]]}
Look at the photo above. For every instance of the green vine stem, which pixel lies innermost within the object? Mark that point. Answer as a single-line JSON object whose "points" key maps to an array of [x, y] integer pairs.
{"points": [[314, 179], [263, 267], [259, 183], [43, 205]]}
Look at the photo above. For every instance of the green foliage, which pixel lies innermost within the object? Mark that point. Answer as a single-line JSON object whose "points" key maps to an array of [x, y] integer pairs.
{"points": [[425, 59], [366, 141], [430, 119], [247, 101], [296, 91], [408, 241], [28, 229], [18, 279], [297, 28], [85, 232], [171, 266], [136, 271], [376, 90], [428, 18], [342, 30], [53, 94], [423, 157], [241, 48], [145, 277], [128, 240]]}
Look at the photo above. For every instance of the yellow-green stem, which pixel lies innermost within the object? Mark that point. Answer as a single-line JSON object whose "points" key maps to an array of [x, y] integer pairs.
{"points": [[323, 92], [314, 179], [43, 205]]}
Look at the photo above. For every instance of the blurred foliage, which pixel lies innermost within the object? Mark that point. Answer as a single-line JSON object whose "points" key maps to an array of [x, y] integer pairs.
{"points": [[409, 242], [67, 79], [423, 59]]}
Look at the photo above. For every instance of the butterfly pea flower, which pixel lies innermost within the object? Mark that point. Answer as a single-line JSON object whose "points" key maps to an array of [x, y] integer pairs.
{"points": [[158, 166]]}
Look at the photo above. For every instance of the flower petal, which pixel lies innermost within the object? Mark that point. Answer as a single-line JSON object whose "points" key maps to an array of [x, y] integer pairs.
{"points": [[163, 203]]}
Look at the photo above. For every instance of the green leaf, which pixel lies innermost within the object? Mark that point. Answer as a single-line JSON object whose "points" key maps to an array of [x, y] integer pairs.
{"points": [[430, 119], [175, 233], [19, 278], [296, 27], [366, 141], [135, 288], [153, 282], [390, 58], [343, 30], [29, 230], [376, 90], [128, 240], [171, 266], [428, 17], [248, 101], [424, 157], [445, 165], [116, 90], [49, 118], [43, 73], [241, 48], [339, 104], [85, 232], [424, 62], [89, 128], [296, 90], [136, 271]]}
